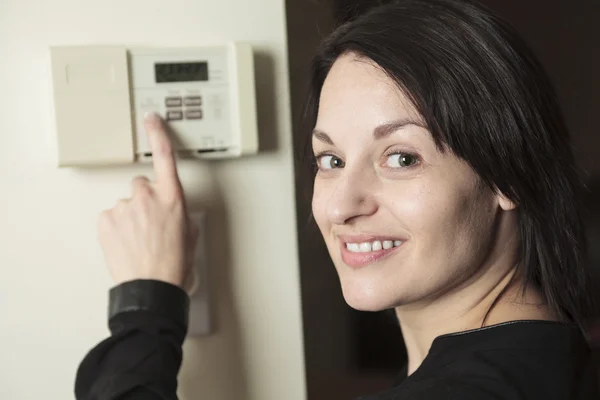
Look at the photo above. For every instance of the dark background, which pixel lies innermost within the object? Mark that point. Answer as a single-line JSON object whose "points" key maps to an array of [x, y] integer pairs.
{"points": [[350, 353]]}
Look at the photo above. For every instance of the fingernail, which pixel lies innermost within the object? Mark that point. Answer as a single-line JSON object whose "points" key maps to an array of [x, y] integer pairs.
{"points": [[151, 117]]}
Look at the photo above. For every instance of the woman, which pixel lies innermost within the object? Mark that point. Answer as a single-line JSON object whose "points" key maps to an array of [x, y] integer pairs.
{"points": [[445, 188]]}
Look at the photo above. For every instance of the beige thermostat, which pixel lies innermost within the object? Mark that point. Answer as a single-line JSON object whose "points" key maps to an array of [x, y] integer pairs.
{"points": [[101, 94]]}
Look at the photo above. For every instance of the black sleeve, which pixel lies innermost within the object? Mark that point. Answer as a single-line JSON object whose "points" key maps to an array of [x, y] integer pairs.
{"points": [[141, 359]]}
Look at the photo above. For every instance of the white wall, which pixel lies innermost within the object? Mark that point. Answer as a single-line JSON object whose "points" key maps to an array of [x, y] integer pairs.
{"points": [[53, 291]]}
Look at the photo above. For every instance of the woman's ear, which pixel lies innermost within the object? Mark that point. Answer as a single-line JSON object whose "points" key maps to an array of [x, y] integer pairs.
{"points": [[505, 203]]}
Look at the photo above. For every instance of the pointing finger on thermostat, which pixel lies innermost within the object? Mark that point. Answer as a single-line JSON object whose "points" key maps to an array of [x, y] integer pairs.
{"points": [[165, 168]]}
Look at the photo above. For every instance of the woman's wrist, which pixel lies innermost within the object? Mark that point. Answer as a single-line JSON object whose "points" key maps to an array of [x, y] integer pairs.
{"points": [[159, 297]]}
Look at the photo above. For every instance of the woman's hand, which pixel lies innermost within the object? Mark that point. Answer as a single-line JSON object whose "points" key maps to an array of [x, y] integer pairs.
{"points": [[149, 236]]}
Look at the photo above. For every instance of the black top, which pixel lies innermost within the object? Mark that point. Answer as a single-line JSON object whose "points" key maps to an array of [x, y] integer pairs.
{"points": [[515, 360], [521, 360]]}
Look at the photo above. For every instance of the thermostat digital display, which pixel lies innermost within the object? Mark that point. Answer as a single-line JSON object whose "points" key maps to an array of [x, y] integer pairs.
{"points": [[181, 72]]}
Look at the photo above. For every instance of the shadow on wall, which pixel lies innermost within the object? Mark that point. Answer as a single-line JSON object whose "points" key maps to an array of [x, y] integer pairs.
{"points": [[212, 363], [264, 71]]}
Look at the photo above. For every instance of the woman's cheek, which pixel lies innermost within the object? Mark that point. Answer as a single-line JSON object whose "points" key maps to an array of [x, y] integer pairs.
{"points": [[412, 207]]}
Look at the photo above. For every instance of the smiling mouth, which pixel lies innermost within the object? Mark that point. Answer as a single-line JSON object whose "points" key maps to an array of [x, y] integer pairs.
{"points": [[376, 245], [357, 253]]}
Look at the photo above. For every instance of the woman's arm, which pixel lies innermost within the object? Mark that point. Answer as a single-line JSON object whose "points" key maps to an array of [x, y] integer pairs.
{"points": [[142, 357], [148, 242]]}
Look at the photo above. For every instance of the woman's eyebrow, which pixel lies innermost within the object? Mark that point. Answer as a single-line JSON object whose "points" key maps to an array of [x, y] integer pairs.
{"points": [[380, 132], [385, 130], [322, 136]]}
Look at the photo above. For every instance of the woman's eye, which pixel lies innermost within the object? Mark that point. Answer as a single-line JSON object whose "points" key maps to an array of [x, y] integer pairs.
{"points": [[328, 161], [401, 160]]}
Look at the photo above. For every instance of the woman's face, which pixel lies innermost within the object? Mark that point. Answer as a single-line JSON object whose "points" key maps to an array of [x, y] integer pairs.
{"points": [[403, 222]]}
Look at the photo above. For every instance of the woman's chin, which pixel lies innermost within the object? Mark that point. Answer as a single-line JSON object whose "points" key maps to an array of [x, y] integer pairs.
{"points": [[367, 299]]}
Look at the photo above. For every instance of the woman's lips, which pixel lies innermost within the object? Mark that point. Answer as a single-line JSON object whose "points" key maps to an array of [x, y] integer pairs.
{"points": [[361, 259]]}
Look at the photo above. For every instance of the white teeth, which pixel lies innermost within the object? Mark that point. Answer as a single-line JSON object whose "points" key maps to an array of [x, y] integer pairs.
{"points": [[376, 245], [365, 247], [353, 247]]}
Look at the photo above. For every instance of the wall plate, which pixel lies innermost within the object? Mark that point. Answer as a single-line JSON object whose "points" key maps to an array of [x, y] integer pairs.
{"points": [[200, 307]]}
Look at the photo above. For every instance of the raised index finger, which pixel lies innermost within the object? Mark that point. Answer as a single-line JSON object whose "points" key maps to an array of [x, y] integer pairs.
{"points": [[163, 160]]}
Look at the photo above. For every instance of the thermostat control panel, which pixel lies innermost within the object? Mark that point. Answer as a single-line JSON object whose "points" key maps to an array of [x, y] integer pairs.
{"points": [[101, 94]]}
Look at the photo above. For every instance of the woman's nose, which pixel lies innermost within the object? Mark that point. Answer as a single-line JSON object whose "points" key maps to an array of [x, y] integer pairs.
{"points": [[352, 197]]}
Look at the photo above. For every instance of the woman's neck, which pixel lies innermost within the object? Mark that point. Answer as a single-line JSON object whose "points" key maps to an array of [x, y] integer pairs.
{"points": [[457, 311]]}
